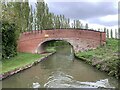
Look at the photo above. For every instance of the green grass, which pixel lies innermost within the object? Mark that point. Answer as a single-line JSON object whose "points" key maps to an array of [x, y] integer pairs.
{"points": [[107, 55], [20, 60], [110, 49]]}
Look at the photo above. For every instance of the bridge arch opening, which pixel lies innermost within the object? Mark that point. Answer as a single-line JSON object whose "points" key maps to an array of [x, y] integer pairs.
{"points": [[43, 45]]}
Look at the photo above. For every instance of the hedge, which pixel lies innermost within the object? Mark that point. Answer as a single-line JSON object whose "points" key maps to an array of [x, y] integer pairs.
{"points": [[9, 40]]}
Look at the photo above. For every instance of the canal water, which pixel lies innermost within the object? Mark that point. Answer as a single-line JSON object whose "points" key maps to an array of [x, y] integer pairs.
{"points": [[61, 70]]}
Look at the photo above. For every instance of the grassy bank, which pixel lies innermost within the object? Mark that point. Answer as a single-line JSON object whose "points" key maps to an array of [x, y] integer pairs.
{"points": [[105, 58], [18, 61]]}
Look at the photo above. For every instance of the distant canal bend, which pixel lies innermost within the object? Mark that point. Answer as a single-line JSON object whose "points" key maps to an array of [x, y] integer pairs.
{"points": [[61, 70]]}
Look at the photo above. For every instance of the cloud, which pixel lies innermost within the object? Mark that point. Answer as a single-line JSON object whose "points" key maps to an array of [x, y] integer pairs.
{"points": [[108, 20], [101, 22], [88, 11], [82, 10]]}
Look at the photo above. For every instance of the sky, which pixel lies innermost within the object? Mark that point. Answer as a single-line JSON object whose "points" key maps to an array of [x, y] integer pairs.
{"points": [[97, 13]]}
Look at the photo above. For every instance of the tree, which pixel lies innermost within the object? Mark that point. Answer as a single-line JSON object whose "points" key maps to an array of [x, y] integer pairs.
{"points": [[13, 13], [86, 26], [57, 22], [9, 40], [7, 12], [30, 19], [104, 29], [40, 7], [111, 33], [116, 34], [44, 18], [61, 21], [81, 26], [77, 24], [74, 24], [25, 15], [68, 23], [50, 21], [34, 20], [18, 16], [98, 29], [107, 33]]}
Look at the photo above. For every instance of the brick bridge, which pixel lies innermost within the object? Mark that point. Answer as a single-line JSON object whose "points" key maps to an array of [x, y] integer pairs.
{"points": [[80, 40]]}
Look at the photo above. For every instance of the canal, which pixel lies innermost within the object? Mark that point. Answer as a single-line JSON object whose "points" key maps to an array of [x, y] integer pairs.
{"points": [[61, 70]]}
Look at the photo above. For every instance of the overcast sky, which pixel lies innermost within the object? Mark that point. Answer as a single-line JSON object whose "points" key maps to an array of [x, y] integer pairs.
{"points": [[95, 12]]}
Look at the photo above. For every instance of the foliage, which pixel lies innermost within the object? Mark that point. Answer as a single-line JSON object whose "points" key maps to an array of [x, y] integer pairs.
{"points": [[111, 33], [86, 26], [30, 20], [57, 43], [116, 34], [9, 44], [104, 29], [77, 24], [52, 45], [107, 33], [50, 49], [24, 11], [106, 56], [18, 13]]}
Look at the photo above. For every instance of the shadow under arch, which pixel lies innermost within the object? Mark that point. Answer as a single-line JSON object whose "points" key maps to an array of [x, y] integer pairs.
{"points": [[40, 47]]}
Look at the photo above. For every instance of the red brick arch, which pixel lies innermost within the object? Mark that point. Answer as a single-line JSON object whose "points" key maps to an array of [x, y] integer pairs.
{"points": [[39, 48], [80, 39]]}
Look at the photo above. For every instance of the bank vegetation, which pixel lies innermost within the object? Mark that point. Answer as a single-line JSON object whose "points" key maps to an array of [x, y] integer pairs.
{"points": [[104, 58]]}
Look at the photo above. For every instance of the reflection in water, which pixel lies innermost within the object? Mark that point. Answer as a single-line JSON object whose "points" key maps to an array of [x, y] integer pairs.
{"points": [[65, 73]]}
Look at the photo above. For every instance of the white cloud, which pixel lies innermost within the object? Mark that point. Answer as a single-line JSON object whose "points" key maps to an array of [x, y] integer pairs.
{"points": [[109, 18]]}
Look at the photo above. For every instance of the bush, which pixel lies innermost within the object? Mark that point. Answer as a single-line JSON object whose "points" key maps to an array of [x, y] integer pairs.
{"points": [[9, 41]]}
